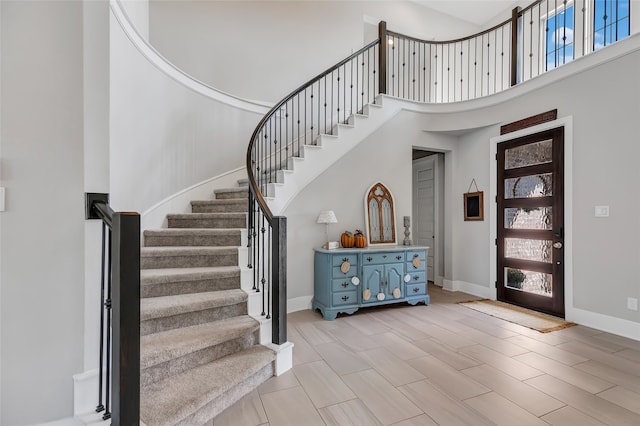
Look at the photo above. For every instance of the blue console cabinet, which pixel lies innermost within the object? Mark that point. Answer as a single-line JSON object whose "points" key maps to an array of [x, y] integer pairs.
{"points": [[346, 280]]}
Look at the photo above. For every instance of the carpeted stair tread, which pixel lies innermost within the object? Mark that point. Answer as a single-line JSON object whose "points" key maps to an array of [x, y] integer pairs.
{"points": [[170, 281], [166, 306], [167, 345], [243, 182], [227, 193], [192, 231], [156, 276], [187, 257], [192, 237], [221, 215], [208, 220], [230, 205], [171, 401]]}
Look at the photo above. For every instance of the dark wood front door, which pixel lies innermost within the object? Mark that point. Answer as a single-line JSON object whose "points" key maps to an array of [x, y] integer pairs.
{"points": [[531, 222]]}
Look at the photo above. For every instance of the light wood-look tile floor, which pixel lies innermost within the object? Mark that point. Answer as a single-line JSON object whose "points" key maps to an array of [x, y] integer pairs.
{"points": [[445, 364]]}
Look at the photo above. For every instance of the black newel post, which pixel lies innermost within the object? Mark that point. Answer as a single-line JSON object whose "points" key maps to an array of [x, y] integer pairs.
{"points": [[126, 319], [382, 58], [279, 280]]}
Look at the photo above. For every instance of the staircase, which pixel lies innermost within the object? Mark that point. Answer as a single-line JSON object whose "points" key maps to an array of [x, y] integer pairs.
{"points": [[200, 351]]}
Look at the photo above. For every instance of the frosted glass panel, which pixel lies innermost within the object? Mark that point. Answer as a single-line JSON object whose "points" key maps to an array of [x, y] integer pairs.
{"points": [[528, 155], [536, 250], [535, 218], [528, 281], [528, 186]]}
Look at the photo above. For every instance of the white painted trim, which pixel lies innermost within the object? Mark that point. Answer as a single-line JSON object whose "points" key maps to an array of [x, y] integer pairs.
{"points": [[162, 64], [284, 357], [567, 124], [68, 421], [85, 392], [619, 326], [470, 288], [299, 304]]}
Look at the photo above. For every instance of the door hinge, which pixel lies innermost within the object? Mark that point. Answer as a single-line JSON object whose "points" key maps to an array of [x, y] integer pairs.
{"points": [[496, 241], [496, 156], [496, 198]]}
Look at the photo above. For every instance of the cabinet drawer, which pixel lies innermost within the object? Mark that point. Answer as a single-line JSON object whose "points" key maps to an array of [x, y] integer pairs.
{"points": [[345, 298], [416, 277], [338, 259], [378, 258], [411, 254], [411, 267], [416, 289], [342, 284]]}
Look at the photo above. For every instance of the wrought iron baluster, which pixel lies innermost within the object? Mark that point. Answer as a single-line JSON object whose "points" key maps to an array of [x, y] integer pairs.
{"points": [[107, 304]]}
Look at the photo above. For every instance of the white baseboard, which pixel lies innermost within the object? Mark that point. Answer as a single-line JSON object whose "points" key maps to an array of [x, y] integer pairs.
{"points": [[85, 392], [299, 304], [603, 322], [69, 421], [471, 288]]}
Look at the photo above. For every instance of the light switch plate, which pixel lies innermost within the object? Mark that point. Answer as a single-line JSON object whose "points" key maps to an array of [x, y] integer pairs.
{"points": [[602, 211]]}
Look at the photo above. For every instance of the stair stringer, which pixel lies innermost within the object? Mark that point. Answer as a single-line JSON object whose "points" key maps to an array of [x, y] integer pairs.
{"points": [[318, 158]]}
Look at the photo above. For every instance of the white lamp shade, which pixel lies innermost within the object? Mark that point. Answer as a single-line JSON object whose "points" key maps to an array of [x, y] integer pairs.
{"points": [[327, 216]]}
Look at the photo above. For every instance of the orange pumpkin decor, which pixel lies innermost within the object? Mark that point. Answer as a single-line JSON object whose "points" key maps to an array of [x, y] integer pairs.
{"points": [[360, 239], [347, 239]]}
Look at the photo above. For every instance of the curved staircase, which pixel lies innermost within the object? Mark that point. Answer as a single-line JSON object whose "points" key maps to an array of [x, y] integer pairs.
{"points": [[200, 351]]}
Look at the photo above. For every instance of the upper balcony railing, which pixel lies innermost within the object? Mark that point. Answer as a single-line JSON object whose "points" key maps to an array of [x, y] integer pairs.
{"points": [[534, 40]]}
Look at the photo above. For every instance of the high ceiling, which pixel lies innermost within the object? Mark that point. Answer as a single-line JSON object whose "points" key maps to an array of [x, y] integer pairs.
{"points": [[478, 12]]}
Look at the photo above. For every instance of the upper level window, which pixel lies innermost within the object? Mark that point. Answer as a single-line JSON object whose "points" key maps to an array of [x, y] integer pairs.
{"points": [[559, 43], [610, 22]]}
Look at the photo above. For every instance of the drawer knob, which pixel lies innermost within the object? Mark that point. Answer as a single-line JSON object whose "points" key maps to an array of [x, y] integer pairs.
{"points": [[345, 284], [416, 277], [384, 256], [398, 257], [416, 289], [345, 298], [407, 278], [369, 258]]}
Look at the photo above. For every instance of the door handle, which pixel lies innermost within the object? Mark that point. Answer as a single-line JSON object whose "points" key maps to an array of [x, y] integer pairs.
{"points": [[557, 245]]}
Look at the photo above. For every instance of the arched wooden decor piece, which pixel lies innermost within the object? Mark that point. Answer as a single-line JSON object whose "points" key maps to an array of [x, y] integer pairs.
{"points": [[380, 215]]}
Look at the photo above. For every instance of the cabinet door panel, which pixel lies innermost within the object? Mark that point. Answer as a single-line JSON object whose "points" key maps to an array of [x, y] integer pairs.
{"points": [[372, 281], [394, 279]]}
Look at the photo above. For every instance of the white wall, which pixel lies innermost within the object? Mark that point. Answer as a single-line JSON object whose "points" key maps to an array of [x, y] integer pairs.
{"points": [[264, 50], [42, 242], [164, 136]]}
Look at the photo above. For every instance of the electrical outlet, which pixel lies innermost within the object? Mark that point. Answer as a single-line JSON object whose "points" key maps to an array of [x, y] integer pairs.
{"points": [[632, 303]]}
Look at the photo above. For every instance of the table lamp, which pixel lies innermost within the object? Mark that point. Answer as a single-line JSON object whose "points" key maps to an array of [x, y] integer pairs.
{"points": [[327, 217]]}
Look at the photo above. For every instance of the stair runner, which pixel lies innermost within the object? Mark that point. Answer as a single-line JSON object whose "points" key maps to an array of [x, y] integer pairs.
{"points": [[200, 351]]}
